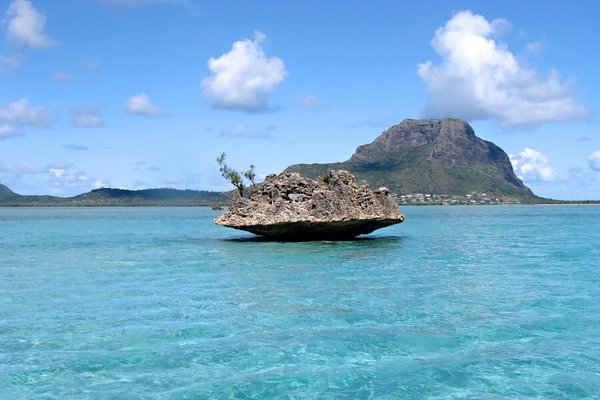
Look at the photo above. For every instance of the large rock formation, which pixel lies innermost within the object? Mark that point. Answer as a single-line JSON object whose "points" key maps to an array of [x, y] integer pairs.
{"points": [[438, 156], [289, 206]]}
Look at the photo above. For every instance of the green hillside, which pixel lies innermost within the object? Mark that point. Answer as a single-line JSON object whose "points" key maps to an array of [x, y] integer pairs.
{"points": [[117, 197], [149, 197]]}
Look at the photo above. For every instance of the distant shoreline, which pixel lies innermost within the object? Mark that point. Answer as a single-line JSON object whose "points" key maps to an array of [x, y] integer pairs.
{"points": [[106, 197], [586, 203], [167, 204], [165, 197], [591, 203]]}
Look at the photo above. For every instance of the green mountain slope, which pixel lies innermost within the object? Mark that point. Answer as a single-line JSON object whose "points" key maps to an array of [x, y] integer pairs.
{"points": [[431, 156]]}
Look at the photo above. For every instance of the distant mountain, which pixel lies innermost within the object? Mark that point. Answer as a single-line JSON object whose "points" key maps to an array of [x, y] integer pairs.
{"points": [[431, 156], [6, 193], [117, 197], [106, 196]]}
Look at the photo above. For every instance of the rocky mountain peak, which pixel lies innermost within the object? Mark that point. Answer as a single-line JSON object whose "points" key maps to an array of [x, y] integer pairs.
{"points": [[448, 138], [439, 156]]}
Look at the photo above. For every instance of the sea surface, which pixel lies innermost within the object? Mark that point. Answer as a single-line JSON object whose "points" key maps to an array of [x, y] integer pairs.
{"points": [[466, 302]]}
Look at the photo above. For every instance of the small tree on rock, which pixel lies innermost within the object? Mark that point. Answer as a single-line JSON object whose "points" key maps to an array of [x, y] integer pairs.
{"points": [[234, 177], [250, 174]]}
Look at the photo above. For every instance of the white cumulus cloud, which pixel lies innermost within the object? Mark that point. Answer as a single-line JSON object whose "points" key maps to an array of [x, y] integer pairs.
{"points": [[20, 113], [532, 166], [58, 178], [479, 78], [64, 179], [25, 24], [243, 78], [594, 160], [141, 105]]}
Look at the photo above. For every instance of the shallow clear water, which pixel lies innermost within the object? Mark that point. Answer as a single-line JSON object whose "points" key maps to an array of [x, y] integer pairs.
{"points": [[159, 303]]}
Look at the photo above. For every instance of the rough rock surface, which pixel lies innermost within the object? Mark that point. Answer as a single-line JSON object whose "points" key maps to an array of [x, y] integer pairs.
{"points": [[289, 206]]}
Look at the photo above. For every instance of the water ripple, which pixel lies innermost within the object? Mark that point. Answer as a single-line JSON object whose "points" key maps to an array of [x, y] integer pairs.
{"points": [[159, 303]]}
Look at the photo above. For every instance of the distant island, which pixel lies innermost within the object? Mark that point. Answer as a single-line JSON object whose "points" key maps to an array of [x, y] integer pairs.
{"points": [[427, 161], [117, 197]]}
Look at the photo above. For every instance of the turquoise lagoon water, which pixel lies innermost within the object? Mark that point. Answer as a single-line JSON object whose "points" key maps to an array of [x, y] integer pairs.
{"points": [[159, 303]]}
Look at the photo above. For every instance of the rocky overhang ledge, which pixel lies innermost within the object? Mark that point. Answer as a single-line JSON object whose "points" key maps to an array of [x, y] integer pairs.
{"points": [[292, 207]]}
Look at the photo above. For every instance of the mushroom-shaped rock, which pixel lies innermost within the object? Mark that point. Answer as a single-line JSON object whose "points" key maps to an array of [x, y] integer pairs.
{"points": [[291, 207]]}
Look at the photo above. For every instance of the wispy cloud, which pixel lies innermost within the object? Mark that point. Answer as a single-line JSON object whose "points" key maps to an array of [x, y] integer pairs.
{"points": [[534, 48], [20, 113], [244, 78], [594, 160], [373, 123], [242, 131], [90, 64], [87, 117], [61, 77], [7, 131], [142, 105], [23, 168], [143, 165], [140, 3], [10, 62], [76, 147], [480, 78], [309, 101], [25, 25]]}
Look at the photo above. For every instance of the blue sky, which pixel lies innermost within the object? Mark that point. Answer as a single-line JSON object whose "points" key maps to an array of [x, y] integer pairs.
{"points": [[147, 93]]}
